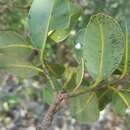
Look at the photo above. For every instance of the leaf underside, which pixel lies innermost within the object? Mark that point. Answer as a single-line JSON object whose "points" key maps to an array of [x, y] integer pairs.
{"points": [[103, 46]]}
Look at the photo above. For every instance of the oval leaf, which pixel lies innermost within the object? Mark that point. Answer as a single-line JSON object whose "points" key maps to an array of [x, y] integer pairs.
{"points": [[103, 46]]}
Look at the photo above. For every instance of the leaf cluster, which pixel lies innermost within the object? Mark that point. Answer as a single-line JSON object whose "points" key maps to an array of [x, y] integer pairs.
{"points": [[89, 60]]}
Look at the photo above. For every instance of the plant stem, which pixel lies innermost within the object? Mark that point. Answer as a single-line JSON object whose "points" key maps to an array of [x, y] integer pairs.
{"points": [[47, 121]]}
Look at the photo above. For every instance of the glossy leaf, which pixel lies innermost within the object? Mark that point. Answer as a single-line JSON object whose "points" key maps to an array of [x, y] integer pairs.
{"points": [[85, 108], [103, 46], [44, 15], [39, 20]]}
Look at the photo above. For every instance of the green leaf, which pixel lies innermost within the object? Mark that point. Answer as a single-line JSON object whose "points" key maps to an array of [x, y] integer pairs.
{"points": [[57, 84], [103, 46], [76, 11], [47, 93], [127, 49], [85, 108], [61, 15], [14, 55], [47, 15], [120, 101], [70, 83], [39, 20], [80, 72], [60, 35], [125, 61], [18, 66], [79, 40], [74, 77], [79, 75], [12, 43], [55, 69], [70, 79], [104, 97]]}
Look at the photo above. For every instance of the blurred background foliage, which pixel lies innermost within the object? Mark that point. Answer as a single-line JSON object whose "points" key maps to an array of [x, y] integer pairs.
{"points": [[19, 98], [14, 12]]}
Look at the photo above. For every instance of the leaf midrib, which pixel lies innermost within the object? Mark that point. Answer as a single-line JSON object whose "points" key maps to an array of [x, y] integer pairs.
{"points": [[46, 32], [24, 66], [102, 52], [15, 45], [101, 57]]}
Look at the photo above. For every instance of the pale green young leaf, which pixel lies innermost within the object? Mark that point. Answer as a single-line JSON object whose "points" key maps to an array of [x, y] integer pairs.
{"points": [[60, 35]]}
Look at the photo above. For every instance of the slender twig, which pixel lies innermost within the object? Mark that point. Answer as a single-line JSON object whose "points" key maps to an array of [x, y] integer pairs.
{"points": [[45, 71], [47, 121], [87, 90], [98, 87]]}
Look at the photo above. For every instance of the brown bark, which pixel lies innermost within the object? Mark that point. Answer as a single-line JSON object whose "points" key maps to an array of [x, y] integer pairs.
{"points": [[47, 121]]}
